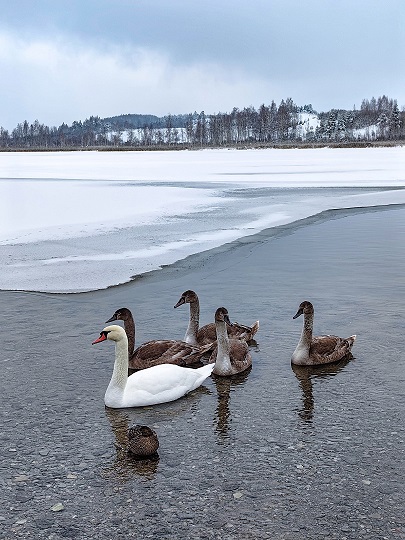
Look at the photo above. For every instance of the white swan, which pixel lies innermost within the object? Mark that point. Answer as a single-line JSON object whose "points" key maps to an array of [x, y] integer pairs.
{"points": [[157, 384], [317, 350], [231, 356]]}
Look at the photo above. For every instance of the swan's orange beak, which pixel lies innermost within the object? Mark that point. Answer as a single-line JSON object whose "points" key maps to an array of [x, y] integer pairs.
{"points": [[102, 337]]}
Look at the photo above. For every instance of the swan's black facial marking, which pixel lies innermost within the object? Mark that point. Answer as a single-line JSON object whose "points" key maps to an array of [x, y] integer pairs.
{"points": [[103, 337]]}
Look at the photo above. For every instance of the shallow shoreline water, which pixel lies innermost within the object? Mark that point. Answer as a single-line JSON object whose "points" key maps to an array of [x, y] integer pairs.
{"points": [[274, 453]]}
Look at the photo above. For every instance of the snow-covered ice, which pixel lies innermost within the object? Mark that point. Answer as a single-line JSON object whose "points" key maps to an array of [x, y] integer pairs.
{"points": [[76, 221]]}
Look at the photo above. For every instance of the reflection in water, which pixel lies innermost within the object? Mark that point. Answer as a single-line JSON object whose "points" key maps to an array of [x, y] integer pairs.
{"points": [[305, 376], [126, 465], [223, 414]]}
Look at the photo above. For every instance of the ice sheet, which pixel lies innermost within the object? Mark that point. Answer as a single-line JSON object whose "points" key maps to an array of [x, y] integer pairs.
{"points": [[75, 221]]}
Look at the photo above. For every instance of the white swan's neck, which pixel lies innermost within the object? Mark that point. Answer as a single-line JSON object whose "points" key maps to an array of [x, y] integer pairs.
{"points": [[115, 390], [304, 344], [223, 361], [193, 324]]}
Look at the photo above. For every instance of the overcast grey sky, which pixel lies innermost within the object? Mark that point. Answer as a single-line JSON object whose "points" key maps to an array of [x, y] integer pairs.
{"points": [[65, 60]]}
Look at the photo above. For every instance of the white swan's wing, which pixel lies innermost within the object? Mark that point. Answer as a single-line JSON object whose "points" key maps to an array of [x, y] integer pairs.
{"points": [[163, 383]]}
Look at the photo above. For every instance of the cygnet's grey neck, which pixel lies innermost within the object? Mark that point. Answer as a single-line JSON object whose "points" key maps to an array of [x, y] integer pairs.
{"points": [[302, 349], [193, 324], [223, 361]]}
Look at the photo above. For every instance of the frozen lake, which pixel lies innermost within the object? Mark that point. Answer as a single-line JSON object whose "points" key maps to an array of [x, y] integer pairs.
{"points": [[79, 221]]}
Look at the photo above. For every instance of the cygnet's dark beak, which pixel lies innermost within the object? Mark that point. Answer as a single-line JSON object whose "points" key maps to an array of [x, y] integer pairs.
{"points": [[180, 302], [299, 312], [113, 318], [226, 319]]}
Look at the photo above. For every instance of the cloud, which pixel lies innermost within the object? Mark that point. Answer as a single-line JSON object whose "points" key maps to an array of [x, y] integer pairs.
{"points": [[58, 81], [143, 57]]}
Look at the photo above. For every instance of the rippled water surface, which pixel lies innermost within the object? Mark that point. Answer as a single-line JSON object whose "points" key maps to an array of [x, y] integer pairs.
{"points": [[273, 453]]}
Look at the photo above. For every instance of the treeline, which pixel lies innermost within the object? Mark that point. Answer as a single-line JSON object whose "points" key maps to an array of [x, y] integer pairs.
{"points": [[377, 120]]}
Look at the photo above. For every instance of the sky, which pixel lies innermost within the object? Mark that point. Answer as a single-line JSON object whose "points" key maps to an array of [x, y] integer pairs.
{"points": [[67, 60]]}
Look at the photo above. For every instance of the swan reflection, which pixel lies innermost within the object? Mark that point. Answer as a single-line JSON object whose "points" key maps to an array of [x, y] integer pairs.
{"points": [[306, 375], [224, 387]]}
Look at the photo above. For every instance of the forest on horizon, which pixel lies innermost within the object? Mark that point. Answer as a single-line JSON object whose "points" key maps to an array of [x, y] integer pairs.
{"points": [[377, 120]]}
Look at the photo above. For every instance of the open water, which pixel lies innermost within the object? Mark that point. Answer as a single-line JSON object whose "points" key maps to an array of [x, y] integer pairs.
{"points": [[276, 453]]}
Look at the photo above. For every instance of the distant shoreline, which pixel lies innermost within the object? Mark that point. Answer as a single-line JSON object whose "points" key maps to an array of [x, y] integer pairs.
{"points": [[238, 146]]}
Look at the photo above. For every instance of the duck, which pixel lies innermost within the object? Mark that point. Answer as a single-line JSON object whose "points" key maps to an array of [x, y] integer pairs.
{"points": [[207, 334], [151, 386], [142, 441], [156, 352], [231, 355], [313, 351]]}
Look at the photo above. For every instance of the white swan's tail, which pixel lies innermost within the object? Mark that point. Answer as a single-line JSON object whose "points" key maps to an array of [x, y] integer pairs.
{"points": [[204, 372]]}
